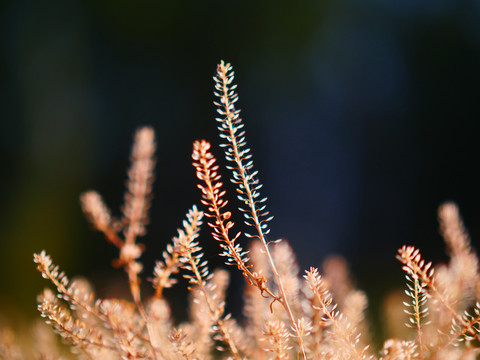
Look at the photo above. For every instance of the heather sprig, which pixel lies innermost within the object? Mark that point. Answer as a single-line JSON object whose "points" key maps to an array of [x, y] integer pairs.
{"points": [[248, 184]]}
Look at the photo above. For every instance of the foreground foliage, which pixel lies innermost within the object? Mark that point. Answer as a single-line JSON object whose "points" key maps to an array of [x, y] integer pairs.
{"points": [[288, 315]]}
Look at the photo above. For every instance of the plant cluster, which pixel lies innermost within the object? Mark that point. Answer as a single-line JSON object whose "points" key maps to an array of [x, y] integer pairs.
{"points": [[287, 315]]}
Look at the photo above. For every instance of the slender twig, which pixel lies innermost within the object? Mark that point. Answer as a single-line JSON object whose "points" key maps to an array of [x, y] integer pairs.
{"points": [[231, 126]]}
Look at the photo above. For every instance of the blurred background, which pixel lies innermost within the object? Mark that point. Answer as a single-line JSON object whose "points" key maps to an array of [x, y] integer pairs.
{"points": [[363, 117]]}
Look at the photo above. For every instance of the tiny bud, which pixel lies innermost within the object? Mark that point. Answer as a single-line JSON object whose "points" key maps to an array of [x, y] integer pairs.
{"points": [[130, 252]]}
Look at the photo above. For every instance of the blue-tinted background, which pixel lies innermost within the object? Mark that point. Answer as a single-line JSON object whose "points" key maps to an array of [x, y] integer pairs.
{"points": [[363, 116]]}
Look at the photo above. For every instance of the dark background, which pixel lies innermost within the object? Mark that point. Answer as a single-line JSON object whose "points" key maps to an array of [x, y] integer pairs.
{"points": [[363, 117]]}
